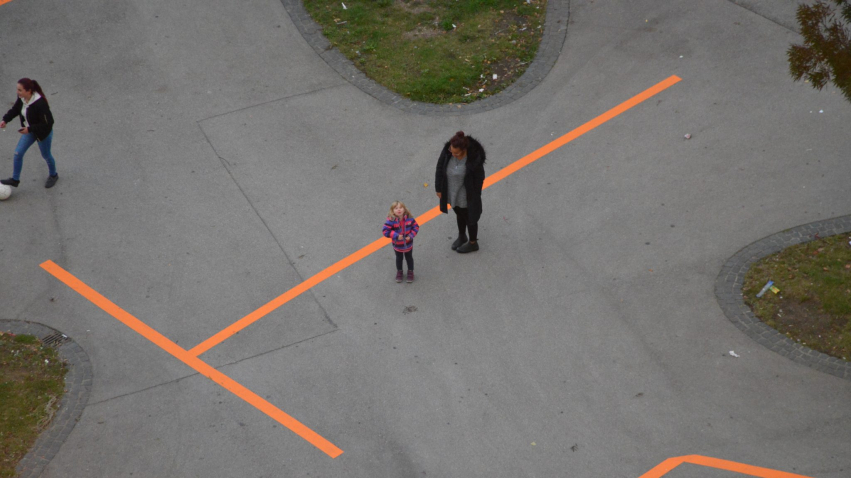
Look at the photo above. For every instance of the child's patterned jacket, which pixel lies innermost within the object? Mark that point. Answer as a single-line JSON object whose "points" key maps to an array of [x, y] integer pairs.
{"points": [[396, 229]]}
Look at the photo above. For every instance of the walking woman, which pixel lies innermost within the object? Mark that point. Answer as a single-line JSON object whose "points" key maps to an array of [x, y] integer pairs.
{"points": [[458, 181], [36, 126]]}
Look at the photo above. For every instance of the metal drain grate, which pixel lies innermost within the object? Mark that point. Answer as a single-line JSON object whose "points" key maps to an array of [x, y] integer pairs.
{"points": [[55, 340]]}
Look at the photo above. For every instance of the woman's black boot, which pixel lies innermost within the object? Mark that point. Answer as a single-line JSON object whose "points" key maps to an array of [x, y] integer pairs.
{"points": [[458, 242]]}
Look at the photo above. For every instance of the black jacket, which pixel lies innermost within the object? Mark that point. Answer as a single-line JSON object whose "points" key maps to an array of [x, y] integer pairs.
{"points": [[473, 179], [39, 117]]}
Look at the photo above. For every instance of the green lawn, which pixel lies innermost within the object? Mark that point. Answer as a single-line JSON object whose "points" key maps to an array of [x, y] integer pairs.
{"points": [[435, 51], [31, 386], [813, 305]]}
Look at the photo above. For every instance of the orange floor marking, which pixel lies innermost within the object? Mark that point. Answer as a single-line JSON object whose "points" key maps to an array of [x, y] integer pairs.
{"points": [[192, 361], [287, 296], [577, 132], [426, 217], [4, 1], [663, 468]]}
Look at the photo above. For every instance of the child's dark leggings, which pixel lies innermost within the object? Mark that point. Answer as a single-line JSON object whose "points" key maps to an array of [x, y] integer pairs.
{"points": [[463, 220], [409, 258]]}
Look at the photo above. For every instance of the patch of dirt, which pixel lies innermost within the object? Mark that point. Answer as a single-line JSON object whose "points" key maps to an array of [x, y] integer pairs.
{"points": [[807, 322], [508, 19], [421, 33], [507, 71], [509, 68], [413, 6]]}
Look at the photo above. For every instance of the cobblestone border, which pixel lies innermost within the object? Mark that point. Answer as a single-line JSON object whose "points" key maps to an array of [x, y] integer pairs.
{"points": [[78, 385], [728, 291], [552, 40]]}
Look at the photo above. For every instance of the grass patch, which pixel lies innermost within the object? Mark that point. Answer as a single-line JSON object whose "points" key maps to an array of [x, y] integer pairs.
{"points": [[435, 51], [813, 306], [31, 385]]}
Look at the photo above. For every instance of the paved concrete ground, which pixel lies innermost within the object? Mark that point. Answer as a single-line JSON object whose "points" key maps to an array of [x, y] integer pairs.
{"points": [[210, 161]]}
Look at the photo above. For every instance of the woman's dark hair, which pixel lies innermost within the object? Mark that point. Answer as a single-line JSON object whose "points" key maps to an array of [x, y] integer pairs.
{"points": [[459, 141], [32, 85]]}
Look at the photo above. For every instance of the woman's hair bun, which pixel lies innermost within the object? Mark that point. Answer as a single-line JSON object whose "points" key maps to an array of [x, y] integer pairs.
{"points": [[459, 140]]}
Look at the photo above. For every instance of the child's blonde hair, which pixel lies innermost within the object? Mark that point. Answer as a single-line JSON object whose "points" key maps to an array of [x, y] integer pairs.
{"points": [[399, 203]]}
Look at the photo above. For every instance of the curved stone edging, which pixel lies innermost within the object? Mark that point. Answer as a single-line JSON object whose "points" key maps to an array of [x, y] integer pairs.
{"points": [[728, 291], [552, 40], [78, 384]]}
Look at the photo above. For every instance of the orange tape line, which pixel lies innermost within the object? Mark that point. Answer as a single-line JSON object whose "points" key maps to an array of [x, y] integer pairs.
{"points": [[287, 296], [426, 217], [738, 467], [192, 361], [296, 291], [4, 1], [663, 468], [577, 132]]}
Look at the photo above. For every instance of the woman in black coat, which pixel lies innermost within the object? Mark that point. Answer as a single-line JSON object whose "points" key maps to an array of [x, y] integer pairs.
{"points": [[458, 181], [36, 126]]}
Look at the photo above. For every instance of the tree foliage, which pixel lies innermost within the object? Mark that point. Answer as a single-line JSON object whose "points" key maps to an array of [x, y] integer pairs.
{"points": [[825, 55]]}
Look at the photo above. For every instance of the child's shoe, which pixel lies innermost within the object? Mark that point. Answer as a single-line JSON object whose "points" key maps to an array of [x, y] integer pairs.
{"points": [[410, 276], [398, 276]]}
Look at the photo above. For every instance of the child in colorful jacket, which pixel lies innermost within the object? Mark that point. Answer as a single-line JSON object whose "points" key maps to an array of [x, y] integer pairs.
{"points": [[401, 228]]}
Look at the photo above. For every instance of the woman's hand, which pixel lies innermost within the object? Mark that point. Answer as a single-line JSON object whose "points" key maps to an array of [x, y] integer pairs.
{"points": [[2, 124], [24, 130], [439, 196]]}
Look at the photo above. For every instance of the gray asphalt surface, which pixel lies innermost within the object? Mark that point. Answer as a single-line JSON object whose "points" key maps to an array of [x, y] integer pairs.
{"points": [[209, 161]]}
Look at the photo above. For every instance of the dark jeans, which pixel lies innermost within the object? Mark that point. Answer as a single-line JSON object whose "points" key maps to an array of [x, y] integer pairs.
{"points": [[409, 258], [465, 224]]}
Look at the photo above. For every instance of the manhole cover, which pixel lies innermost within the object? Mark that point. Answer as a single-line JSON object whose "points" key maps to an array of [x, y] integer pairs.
{"points": [[55, 340]]}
